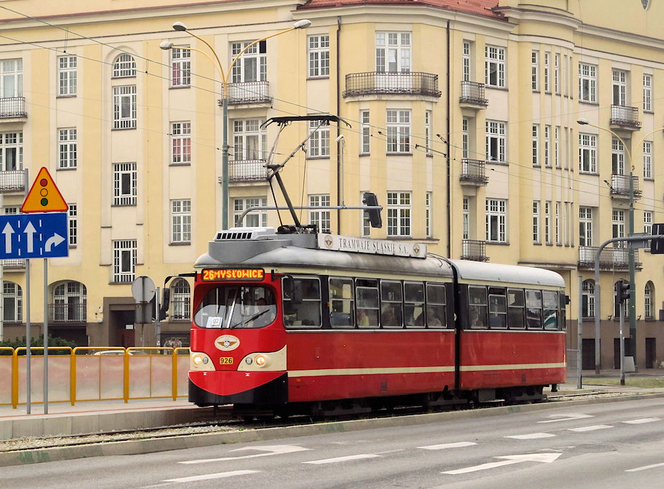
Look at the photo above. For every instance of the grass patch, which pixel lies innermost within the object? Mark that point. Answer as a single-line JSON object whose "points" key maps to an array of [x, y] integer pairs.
{"points": [[643, 382]]}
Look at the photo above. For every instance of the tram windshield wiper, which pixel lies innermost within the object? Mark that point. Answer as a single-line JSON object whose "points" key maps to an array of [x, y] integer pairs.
{"points": [[249, 320]]}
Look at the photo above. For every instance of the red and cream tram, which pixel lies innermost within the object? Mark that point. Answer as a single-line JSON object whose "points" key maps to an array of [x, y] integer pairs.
{"points": [[325, 324]]}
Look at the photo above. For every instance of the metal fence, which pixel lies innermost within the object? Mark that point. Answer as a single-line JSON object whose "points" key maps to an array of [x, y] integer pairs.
{"points": [[379, 82]]}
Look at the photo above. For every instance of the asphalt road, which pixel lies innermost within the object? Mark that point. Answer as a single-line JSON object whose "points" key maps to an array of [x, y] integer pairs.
{"points": [[609, 445]]}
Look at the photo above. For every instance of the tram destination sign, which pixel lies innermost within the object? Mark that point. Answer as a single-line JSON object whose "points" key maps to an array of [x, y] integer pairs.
{"points": [[371, 246]]}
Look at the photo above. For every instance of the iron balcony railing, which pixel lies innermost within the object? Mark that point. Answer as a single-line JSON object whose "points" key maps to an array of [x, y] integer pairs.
{"points": [[609, 259], [473, 93], [379, 82], [473, 249], [12, 107], [13, 264], [257, 92], [473, 172], [625, 116], [247, 171], [67, 313], [12, 181], [620, 186]]}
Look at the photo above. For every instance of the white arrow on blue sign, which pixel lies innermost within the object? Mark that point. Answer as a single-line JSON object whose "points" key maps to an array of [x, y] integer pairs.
{"points": [[33, 236]]}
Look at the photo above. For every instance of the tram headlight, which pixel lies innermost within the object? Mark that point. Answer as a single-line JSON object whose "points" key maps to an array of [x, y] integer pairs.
{"points": [[264, 361], [260, 360], [200, 361]]}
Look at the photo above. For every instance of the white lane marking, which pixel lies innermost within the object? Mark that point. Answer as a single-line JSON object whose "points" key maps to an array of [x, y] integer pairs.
{"points": [[591, 428], [641, 421], [556, 418], [445, 446], [271, 450], [342, 459], [509, 460], [531, 436], [219, 475], [645, 467]]}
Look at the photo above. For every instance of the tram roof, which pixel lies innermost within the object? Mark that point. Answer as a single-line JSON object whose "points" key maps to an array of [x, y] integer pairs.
{"points": [[496, 272]]}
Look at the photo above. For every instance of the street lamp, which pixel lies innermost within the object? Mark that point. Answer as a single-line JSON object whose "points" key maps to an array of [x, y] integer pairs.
{"points": [[630, 252], [166, 45]]}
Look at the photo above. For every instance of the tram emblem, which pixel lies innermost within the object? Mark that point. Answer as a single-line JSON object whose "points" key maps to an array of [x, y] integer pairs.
{"points": [[226, 342]]}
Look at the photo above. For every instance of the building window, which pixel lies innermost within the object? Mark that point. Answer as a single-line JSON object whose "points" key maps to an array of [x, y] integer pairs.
{"points": [[427, 131], [557, 224], [11, 210], [536, 161], [588, 153], [466, 61], [494, 66], [647, 222], [465, 138], [398, 213], [181, 300], [366, 132], [124, 261], [252, 65], [588, 299], [180, 143], [547, 146], [67, 148], [547, 72], [466, 218], [11, 151], [617, 157], [647, 93], [181, 221], [428, 214], [12, 302], [556, 147], [618, 218], [11, 78], [648, 300], [124, 183], [398, 131], [496, 220], [587, 83], [67, 83], [585, 226], [534, 77], [556, 73], [124, 107], [70, 300], [319, 142], [249, 140], [124, 66], [496, 142], [536, 222], [547, 222], [647, 160], [320, 218], [180, 67], [619, 87], [253, 219], [393, 52], [319, 56], [72, 213]]}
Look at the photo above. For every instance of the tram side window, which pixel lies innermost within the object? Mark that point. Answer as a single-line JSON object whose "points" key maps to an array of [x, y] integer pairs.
{"points": [[497, 308], [302, 302], [391, 296], [550, 300], [516, 305], [534, 309], [341, 303], [477, 307], [366, 292], [436, 300], [414, 305]]}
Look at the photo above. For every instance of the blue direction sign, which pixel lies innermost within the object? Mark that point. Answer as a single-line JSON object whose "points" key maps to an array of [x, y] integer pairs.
{"points": [[33, 236]]}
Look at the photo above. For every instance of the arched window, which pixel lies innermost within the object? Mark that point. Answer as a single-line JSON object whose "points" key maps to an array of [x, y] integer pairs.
{"points": [[181, 300], [70, 302], [124, 66], [588, 299], [649, 301], [12, 301]]}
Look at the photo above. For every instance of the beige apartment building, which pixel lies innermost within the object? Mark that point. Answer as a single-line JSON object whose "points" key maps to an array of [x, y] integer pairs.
{"points": [[463, 121]]}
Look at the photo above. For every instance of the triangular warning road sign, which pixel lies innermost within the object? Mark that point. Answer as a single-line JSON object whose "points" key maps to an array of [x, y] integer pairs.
{"points": [[44, 195]]}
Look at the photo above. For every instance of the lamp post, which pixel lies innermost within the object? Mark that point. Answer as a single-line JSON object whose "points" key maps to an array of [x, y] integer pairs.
{"points": [[166, 45], [630, 252]]}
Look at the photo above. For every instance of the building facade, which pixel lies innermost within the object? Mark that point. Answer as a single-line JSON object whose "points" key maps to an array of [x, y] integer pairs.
{"points": [[464, 120]]}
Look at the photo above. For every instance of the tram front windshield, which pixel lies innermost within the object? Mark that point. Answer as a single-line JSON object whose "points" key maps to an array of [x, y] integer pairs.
{"points": [[236, 307]]}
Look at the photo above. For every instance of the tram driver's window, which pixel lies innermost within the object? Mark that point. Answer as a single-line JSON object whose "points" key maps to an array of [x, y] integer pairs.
{"points": [[477, 307], [302, 302], [341, 303]]}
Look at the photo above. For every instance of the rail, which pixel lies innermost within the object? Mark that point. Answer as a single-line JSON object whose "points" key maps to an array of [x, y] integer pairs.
{"points": [[385, 82]]}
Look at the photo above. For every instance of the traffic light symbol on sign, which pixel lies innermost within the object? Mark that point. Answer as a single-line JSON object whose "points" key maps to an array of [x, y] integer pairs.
{"points": [[44, 195]]}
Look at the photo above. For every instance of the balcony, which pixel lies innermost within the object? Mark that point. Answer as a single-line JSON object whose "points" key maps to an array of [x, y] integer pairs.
{"points": [[12, 181], [473, 172], [12, 109], [17, 264], [616, 259], [625, 117], [249, 93], [620, 187], [247, 171], [67, 313], [472, 95], [475, 250], [391, 83]]}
